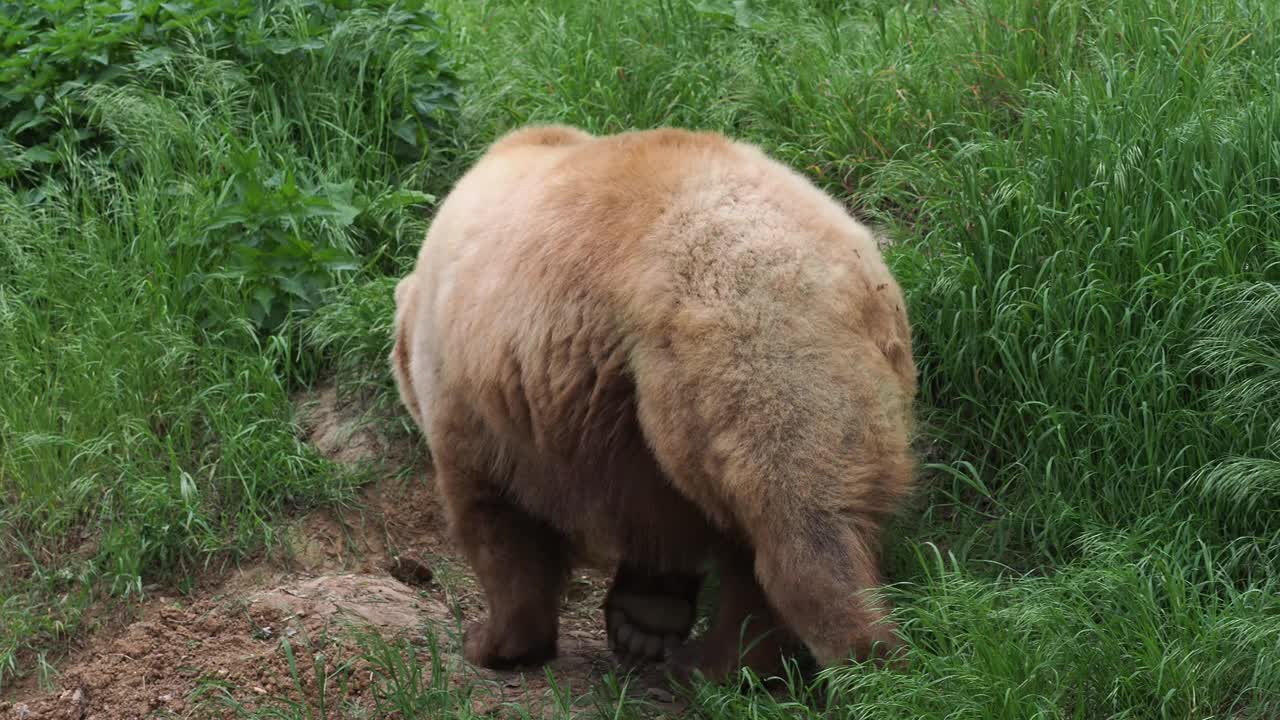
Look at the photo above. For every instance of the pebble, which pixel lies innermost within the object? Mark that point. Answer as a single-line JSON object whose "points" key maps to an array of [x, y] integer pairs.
{"points": [[660, 695]]}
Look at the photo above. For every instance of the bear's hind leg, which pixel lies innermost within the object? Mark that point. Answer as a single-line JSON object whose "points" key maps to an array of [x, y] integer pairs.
{"points": [[665, 542], [649, 614], [522, 564], [745, 632], [817, 568]]}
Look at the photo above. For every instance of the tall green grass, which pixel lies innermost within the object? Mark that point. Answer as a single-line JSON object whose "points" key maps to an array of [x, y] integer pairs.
{"points": [[1084, 200], [1084, 205]]}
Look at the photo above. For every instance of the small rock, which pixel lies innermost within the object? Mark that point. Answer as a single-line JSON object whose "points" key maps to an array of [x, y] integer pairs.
{"points": [[166, 698], [21, 711], [258, 690], [660, 695]]}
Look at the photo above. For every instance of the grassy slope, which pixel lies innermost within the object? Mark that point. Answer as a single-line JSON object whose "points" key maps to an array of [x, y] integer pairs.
{"points": [[145, 424], [1087, 203]]}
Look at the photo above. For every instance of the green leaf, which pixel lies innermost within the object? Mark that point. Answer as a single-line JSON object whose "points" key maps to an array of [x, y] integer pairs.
{"points": [[284, 46], [348, 265], [263, 296], [404, 198], [38, 155], [341, 206], [293, 287], [225, 219], [407, 130], [152, 57]]}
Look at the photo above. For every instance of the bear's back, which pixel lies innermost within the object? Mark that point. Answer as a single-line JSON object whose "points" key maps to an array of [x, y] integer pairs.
{"points": [[604, 212], [559, 253]]}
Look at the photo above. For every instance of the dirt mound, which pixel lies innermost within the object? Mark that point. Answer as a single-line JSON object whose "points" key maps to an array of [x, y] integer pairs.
{"points": [[369, 600], [385, 564], [340, 427]]}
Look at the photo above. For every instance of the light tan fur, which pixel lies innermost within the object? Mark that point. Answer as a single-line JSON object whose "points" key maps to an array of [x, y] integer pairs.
{"points": [[666, 347]]}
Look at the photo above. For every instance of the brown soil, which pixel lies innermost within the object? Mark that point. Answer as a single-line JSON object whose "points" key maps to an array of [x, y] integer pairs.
{"points": [[386, 565]]}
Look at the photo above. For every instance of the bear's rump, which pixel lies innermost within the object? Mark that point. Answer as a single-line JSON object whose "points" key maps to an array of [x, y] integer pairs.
{"points": [[621, 506], [563, 414]]}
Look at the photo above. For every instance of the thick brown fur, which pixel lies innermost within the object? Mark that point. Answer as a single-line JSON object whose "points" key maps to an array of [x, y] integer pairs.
{"points": [[665, 348]]}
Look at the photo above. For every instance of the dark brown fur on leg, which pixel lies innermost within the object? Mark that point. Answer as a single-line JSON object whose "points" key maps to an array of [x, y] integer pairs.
{"points": [[650, 614], [746, 631], [523, 566], [804, 568]]}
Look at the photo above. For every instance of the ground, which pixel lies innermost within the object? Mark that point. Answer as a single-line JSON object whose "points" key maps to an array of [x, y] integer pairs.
{"points": [[386, 565]]}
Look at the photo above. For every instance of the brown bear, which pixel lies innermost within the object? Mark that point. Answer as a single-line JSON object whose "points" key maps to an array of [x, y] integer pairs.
{"points": [[664, 348]]}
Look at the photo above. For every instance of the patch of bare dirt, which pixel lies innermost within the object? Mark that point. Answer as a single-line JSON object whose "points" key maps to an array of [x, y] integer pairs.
{"points": [[175, 661], [386, 564]]}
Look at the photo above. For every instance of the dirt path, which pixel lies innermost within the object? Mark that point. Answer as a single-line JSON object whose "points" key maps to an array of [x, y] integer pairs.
{"points": [[387, 565]]}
